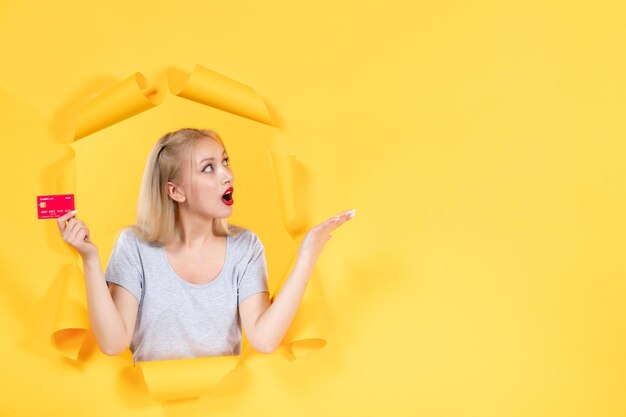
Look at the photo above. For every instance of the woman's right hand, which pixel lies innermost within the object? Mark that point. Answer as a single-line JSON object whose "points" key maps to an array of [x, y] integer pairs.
{"points": [[76, 234]]}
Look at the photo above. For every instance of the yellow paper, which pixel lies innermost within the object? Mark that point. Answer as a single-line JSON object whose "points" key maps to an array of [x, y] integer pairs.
{"points": [[482, 144], [216, 90], [130, 97], [71, 322], [185, 378]]}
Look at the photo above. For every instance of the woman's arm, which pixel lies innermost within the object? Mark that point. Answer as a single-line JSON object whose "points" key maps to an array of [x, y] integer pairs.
{"points": [[266, 324], [112, 314]]}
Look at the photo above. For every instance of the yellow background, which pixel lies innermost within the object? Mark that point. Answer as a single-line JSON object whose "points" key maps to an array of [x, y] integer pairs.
{"points": [[481, 144]]}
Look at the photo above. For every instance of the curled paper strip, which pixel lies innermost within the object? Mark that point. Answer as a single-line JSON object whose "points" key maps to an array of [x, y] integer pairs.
{"points": [[303, 336], [184, 378], [216, 90], [135, 95], [128, 98], [71, 322], [288, 179]]}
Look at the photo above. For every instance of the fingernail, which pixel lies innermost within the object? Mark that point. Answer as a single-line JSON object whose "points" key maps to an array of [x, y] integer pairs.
{"points": [[74, 211]]}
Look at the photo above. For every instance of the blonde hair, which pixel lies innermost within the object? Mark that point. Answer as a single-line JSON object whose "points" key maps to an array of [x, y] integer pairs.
{"points": [[156, 211]]}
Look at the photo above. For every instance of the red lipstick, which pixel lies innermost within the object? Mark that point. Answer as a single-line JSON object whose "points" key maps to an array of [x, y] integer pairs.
{"points": [[227, 197]]}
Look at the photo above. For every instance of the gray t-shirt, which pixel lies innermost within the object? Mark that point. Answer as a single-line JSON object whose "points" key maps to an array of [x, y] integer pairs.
{"points": [[178, 319]]}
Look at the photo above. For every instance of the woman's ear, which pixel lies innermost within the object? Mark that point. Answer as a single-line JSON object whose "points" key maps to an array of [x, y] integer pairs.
{"points": [[175, 192]]}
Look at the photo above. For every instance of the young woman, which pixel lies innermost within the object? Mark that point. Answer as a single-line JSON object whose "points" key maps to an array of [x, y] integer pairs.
{"points": [[181, 281]]}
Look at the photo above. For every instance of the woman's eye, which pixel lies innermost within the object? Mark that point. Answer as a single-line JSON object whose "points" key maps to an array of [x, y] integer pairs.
{"points": [[226, 160]]}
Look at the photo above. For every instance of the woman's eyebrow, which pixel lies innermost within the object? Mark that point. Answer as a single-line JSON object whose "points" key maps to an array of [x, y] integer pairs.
{"points": [[209, 159]]}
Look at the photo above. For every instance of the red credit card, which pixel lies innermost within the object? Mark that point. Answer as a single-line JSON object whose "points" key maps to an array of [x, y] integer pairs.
{"points": [[53, 206]]}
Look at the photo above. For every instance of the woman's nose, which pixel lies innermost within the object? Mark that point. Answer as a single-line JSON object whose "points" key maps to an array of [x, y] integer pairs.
{"points": [[228, 176]]}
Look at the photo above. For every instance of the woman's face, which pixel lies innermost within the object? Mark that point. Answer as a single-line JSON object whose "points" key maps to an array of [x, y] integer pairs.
{"points": [[210, 177]]}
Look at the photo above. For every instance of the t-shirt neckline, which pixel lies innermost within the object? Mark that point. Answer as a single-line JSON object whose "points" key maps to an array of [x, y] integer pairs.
{"points": [[189, 284]]}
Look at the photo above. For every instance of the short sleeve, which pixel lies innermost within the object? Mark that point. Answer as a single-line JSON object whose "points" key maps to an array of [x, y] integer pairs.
{"points": [[124, 267], [253, 280]]}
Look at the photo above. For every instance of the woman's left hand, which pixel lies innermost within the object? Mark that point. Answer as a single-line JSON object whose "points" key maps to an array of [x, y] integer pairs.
{"points": [[314, 241]]}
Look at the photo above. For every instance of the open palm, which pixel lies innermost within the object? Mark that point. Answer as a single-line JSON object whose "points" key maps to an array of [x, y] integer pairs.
{"points": [[314, 241]]}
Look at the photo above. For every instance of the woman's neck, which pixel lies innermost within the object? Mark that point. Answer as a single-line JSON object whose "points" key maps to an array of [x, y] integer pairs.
{"points": [[194, 233]]}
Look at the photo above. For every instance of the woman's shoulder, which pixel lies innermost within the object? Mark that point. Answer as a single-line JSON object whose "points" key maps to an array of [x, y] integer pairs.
{"points": [[243, 236], [129, 235]]}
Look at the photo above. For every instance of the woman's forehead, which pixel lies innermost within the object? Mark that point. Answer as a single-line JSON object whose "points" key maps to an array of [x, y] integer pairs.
{"points": [[207, 148]]}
